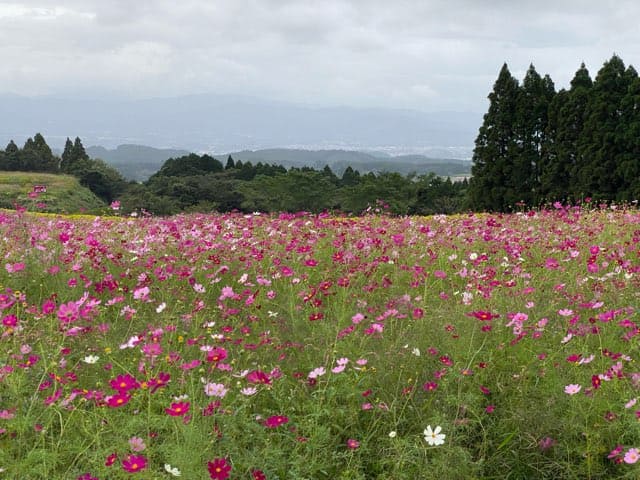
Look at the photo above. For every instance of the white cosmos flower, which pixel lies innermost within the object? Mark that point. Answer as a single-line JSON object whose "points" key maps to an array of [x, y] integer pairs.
{"points": [[434, 437], [91, 359], [172, 470]]}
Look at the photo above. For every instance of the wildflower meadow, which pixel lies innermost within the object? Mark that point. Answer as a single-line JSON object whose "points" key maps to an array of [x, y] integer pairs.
{"points": [[301, 346]]}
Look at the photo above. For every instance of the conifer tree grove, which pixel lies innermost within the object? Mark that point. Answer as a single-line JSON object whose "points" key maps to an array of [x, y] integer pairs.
{"points": [[537, 146]]}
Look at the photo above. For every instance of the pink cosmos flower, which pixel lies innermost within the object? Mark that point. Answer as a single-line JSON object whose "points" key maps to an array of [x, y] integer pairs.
{"points": [[215, 390], [68, 312], [161, 381], [48, 307], [572, 389], [632, 455], [317, 372], [137, 444]]}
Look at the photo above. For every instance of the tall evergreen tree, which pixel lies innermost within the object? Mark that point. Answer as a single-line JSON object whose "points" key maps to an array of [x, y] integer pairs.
{"points": [[74, 156], [12, 156], [560, 160], [534, 99], [600, 145], [78, 150], [495, 148], [67, 156], [628, 165], [36, 156], [350, 177]]}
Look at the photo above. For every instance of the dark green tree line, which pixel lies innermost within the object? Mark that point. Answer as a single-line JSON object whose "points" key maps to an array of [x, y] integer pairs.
{"points": [[272, 188]]}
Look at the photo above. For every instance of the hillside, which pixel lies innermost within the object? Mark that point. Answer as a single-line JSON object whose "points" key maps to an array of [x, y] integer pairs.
{"points": [[63, 193]]}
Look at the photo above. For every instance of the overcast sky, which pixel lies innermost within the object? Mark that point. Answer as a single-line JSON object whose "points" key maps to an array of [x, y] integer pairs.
{"points": [[424, 54]]}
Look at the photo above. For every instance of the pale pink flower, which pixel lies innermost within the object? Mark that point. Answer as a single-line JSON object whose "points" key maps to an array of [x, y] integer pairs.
{"points": [[137, 444], [632, 455], [215, 390], [572, 389], [317, 372]]}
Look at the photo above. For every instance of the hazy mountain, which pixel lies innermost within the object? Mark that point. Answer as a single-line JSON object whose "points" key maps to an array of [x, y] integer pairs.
{"points": [[216, 123], [364, 162], [135, 162]]}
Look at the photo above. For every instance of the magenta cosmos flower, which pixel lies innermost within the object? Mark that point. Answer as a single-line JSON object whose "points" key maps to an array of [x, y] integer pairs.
{"points": [[216, 355], [258, 376], [118, 400], [178, 409], [134, 463], [353, 444], [124, 383]]}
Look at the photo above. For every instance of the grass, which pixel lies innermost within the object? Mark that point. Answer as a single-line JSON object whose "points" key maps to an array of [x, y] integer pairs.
{"points": [[313, 347], [64, 194]]}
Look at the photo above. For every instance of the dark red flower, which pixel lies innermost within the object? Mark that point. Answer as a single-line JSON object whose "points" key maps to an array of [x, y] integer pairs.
{"points": [[482, 315], [219, 469], [258, 475], [275, 421], [87, 476], [110, 459], [430, 386]]}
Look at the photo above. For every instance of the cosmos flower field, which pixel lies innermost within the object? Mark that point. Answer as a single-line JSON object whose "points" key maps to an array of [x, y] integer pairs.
{"points": [[312, 347]]}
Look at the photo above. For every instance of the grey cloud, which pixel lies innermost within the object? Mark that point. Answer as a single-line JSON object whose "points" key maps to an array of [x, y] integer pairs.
{"points": [[423, 54]]}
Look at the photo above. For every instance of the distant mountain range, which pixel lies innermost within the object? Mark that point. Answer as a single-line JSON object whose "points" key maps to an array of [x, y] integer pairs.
{"points": [[219, 123], [137, 162], [364, 162]]}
